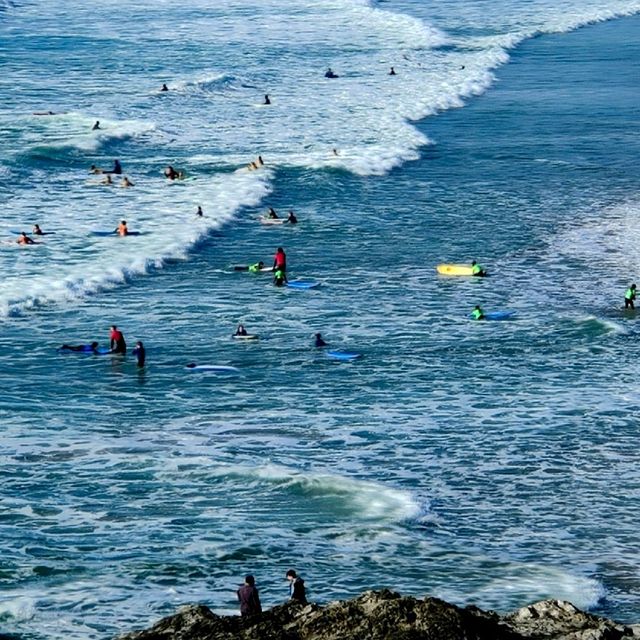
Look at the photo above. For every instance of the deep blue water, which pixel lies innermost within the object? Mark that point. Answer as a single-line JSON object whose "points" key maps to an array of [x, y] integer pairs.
{"points": [[487, 463]]}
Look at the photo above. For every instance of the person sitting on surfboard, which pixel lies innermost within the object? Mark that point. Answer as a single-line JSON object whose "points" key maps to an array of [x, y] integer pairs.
{"points": [[25, 239], [330, 73], [291, 218], [37, 231], [171, 173], [255, 268], [319, 341], [240, 331], [477, 270], [266, 99], [271, 214], [117, 168], [122, 229], [96, 126], [164, 87], [477, 313], [280, 260], [629, 297], [279, 277], [199, 212]]}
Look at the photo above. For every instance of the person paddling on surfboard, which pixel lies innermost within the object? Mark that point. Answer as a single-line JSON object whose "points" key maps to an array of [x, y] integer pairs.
{"points": [[280, 260], [477, 313], [477, 270], [629, 297], [83, 348], [25, 239], [257, 267]]}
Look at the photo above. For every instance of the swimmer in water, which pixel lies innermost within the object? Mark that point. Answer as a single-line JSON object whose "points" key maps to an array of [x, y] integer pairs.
{"points": [[25, 239], [117, 168], [126, 182], [172, 173], [252, 166], [164, 87], [291, 218], [260, 161], [140, 353], [199, 212], [117, 342], [335, 152], [330, 73], [122, 229], [266, 99], [319, 342], [392, 72], [279, 277], [96, 126], [106, 180]]}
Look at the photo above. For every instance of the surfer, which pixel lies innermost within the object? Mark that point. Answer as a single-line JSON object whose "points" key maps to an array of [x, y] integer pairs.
{"points": [[37, 231], [291, 218], [122, 229], [629, 297], [126, 182], [199, 212], [96, 126], [255, 268], [335, 152], [392, 72], [83, 348], [240, 331], [319, 341], [266, 99], [106, 180], [140, 353], [477, 270], [280, 260], [117, 168], [477, 313], [118, 345], [94, 169], [271, 214], [25, 239], [260, 161], [330, 73], [279, 277], [164, 87], [171, 173]]}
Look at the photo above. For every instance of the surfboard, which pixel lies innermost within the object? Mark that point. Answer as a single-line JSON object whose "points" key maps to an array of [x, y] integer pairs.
{"points": [[215, 368], [302, 284], [249, 336], [455, 269], [343, 355], [104, 234], [245, 267], [499, 315], [37, 235], [100, 351], [269, 221]]}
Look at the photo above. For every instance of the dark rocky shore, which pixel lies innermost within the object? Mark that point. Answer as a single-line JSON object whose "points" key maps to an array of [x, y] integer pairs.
{"points": [[384, 615]]}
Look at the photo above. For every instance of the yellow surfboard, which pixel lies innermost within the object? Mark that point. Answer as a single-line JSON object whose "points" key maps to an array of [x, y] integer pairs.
{"points": [[455, 269]]}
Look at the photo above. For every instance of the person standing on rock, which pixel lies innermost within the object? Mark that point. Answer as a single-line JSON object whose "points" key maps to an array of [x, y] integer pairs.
{"points": [[249, 598], [297, 592]]}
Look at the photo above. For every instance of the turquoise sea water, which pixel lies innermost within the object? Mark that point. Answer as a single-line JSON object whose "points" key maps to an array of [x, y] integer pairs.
{"points": [[487, 463]]}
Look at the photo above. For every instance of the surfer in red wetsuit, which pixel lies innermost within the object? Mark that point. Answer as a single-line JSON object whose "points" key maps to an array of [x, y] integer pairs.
{"points": [[280, 260], [118, 345]]}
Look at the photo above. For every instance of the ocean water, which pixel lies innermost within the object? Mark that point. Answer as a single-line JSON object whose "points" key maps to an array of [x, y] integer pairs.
{"points": [[486, 463]]}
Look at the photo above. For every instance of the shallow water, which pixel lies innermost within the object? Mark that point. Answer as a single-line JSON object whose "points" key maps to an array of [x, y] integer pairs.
{"points": [[491, 463]]}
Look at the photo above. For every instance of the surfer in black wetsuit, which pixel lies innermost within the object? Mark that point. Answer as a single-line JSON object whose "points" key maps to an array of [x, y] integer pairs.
{"points": [[140, 353], [82, 348], [96, 126], [266, 99], [330, 73], [319, 341], [164, 87], [291, 218]]}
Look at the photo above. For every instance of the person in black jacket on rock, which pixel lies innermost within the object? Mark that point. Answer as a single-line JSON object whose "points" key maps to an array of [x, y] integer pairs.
{"points": [[297, 592]]}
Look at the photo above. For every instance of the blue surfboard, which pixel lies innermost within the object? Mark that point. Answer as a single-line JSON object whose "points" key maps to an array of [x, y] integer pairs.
{"points": [[499, 315], [302, 284], [343, 355]]}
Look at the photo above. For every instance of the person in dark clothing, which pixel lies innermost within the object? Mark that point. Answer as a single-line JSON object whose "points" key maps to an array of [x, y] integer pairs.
{"points": [[297, 591], [140, 353], [248, 597], [319, 341]]}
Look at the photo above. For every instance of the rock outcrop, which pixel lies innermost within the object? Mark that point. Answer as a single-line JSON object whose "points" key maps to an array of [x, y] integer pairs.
{"points": [[384, 615]]}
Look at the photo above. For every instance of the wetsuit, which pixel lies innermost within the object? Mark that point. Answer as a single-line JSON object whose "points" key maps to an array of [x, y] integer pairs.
{"points": [[629, 297], [118, 345], [279, 278], [140, 354], [477, 314], [280, 261], [254, 268], [297, 592]]}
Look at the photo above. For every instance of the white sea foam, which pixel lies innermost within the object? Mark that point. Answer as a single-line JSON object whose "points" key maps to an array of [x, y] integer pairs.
{"points": [[18, 609]]}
